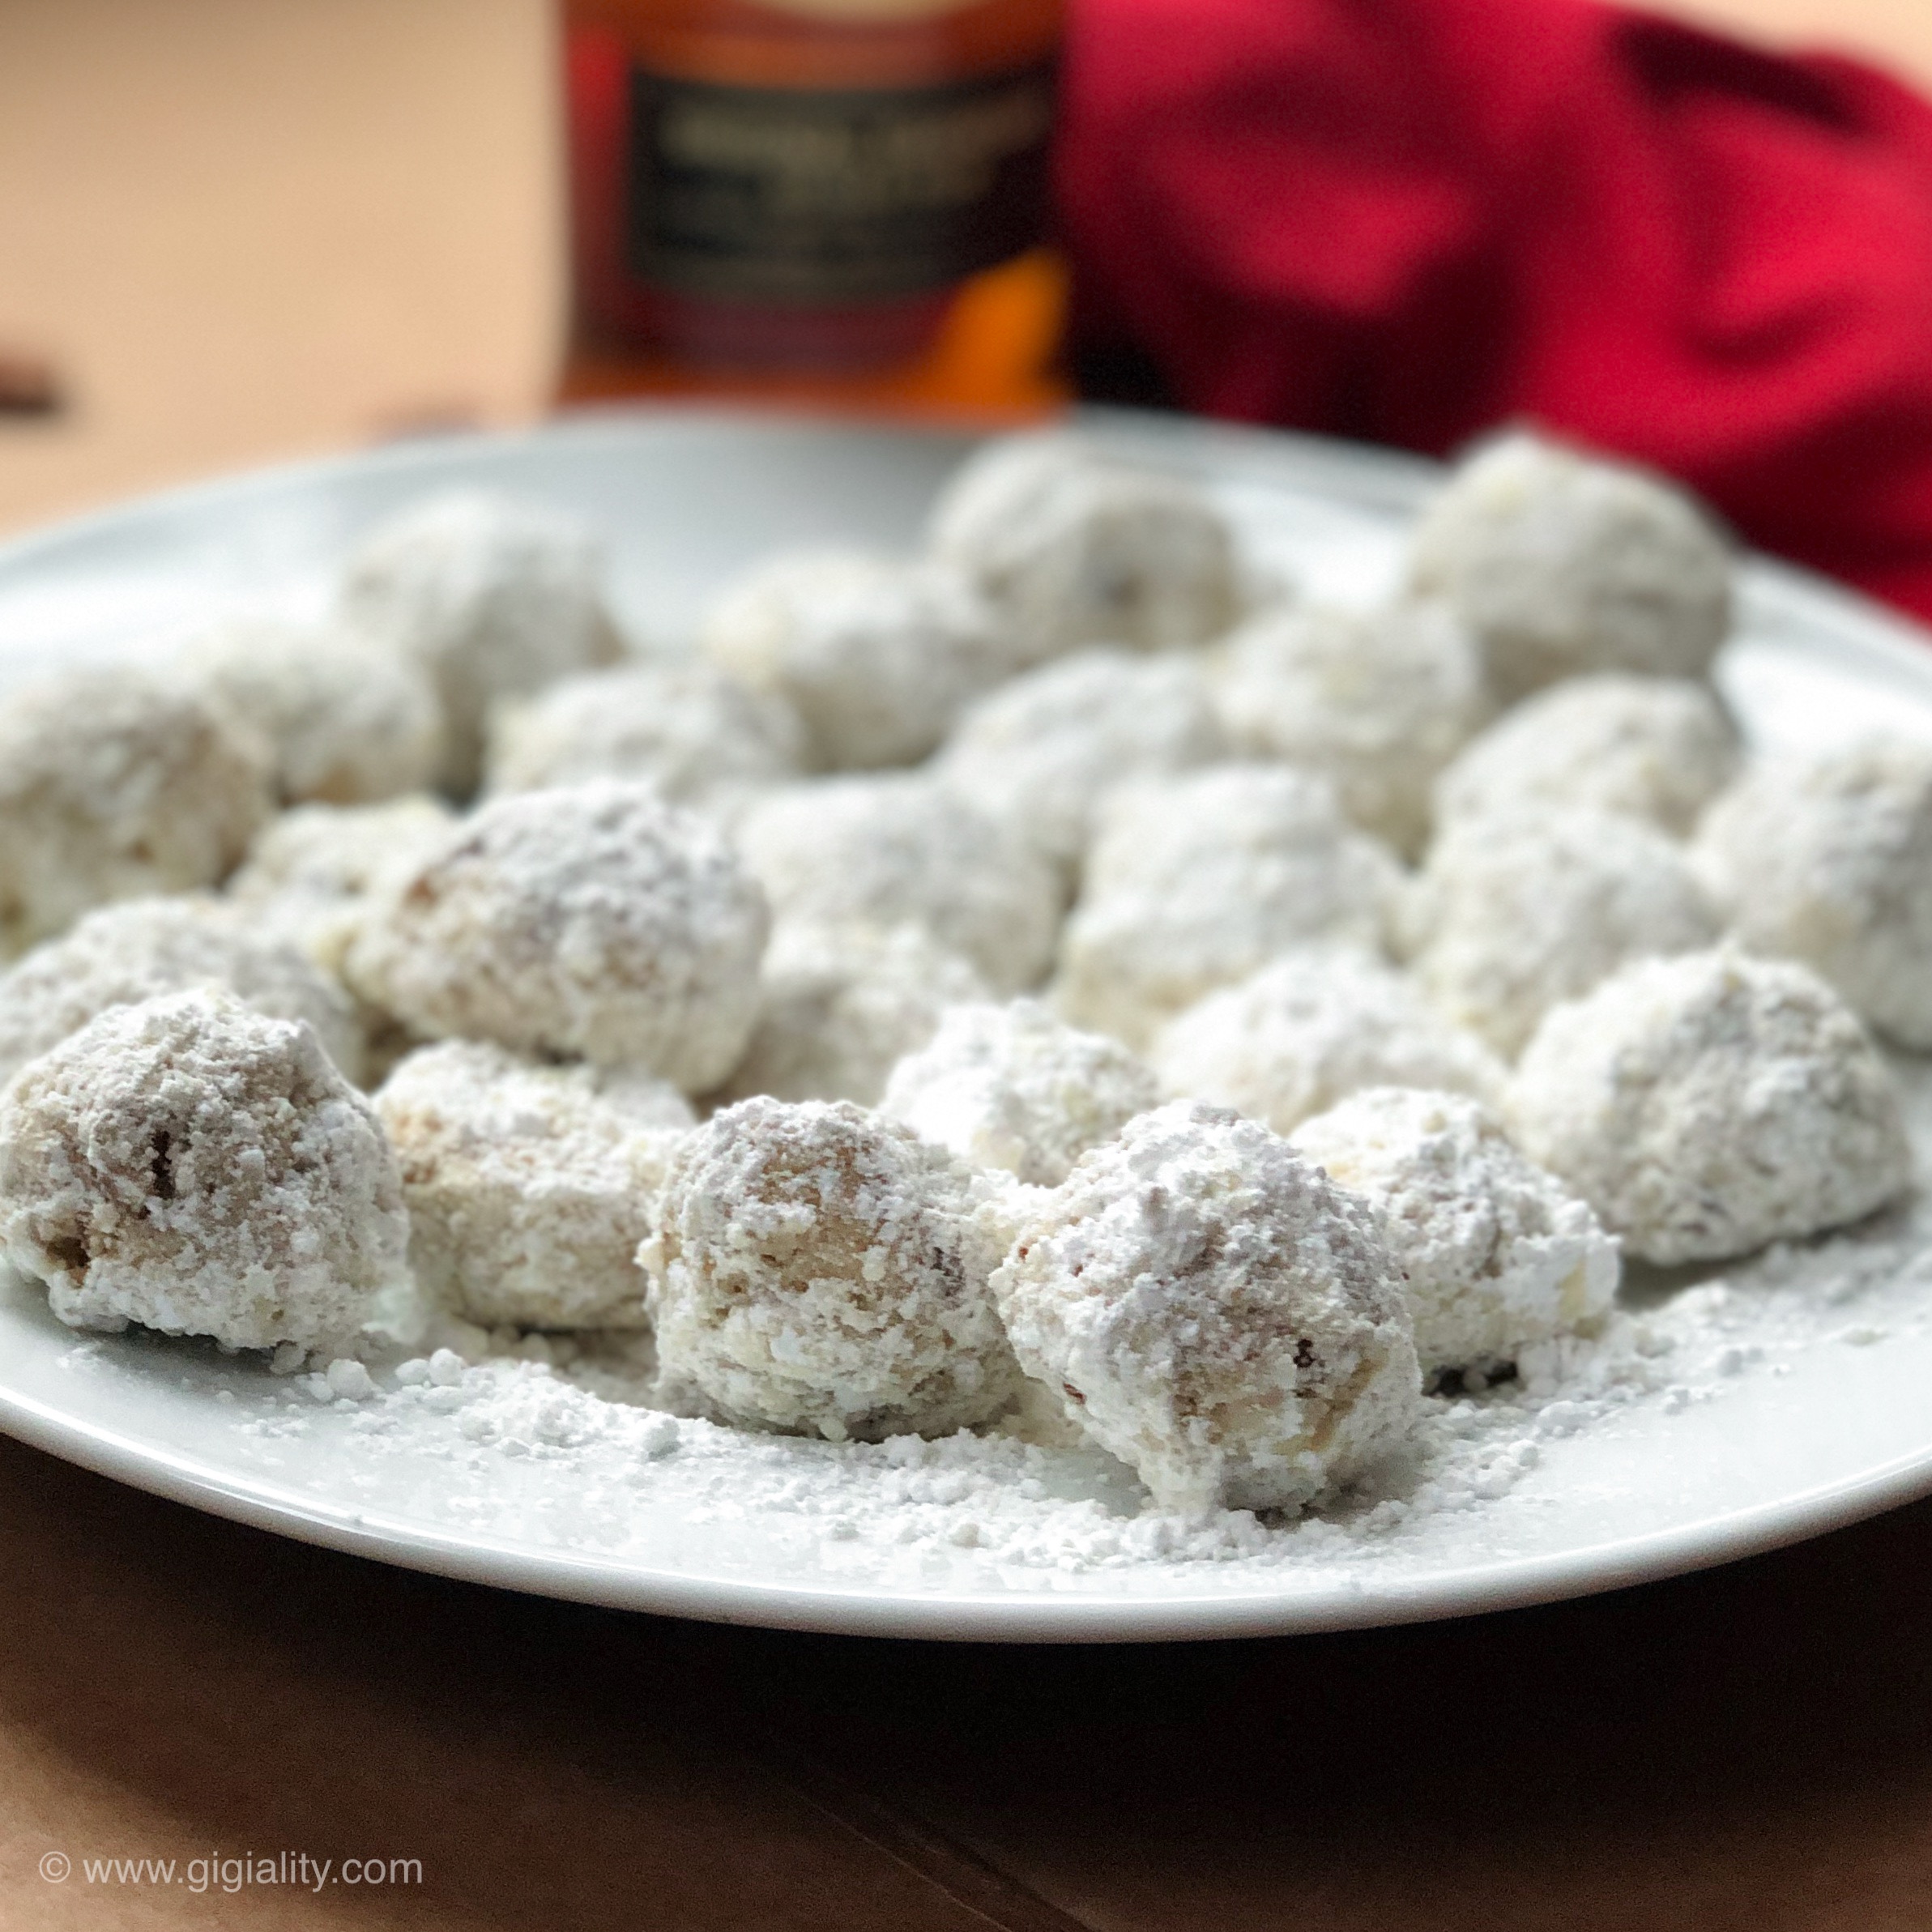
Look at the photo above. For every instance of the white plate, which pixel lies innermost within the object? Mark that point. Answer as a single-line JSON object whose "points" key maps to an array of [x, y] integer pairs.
{"points": [[1791, 1408]]}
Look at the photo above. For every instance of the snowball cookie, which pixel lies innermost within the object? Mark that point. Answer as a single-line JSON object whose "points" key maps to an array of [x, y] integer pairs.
{"points": [[1561, 563], [120, 955], [877, 657], [698, 735], [1707, 1105], [1499, 1255], [1010, 1087], [314, 874], [594, 922], [841, 1004], [818, 1271], [493, 597], [1659, 748], [196, 1166], [1510, 916], [1215, 1311], [1321, 1022], [1073, 546], [1043, 751], [113, 783], [1195, 882], [346, 721], [529, 1188], [1829, 860], [1378, 701], [898, 850]]}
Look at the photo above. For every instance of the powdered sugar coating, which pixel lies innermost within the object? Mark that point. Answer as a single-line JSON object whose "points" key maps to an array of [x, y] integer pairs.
{"points": [[1829, 860], [1498, 1254], [594, 922], [1320, 1024], [701, 737], [839, 1004], [493, 597], [349, 722], [1511, 915], [877, 657], [1378, 701], [115, 783], [140, 949], [1010, 1087], [313, 874], [1561, 563], [1042, 752], [1707, 1105], [818, 1271], [1195, 882], [1658, 749], [1214, 1312], [898, 849], [200, 1168], [529, 1188], [1074, 545]]}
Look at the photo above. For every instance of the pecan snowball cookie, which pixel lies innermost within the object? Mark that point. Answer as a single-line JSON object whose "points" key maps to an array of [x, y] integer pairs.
{"points": [[592, 923], [141, 948], [1561, 563], [529, 1188], [839, 1004], [901, 850], [1010, 1087], [314, 874], [1498, 1254], [1319, 1024], [115, 783], [199, 1168], [1829, 860], [701, 737], [1042, 752], [1510, 916], [1377, 701], [1193, 883], [1708, 1105], [494, 598], [1214, 1312], [1659, 748], [1072, 545], [877, 657], [819, 1271], [346, 721]]}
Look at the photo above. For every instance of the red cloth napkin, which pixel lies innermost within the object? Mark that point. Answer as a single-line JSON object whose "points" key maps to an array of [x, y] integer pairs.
{"points": [[1406, 220]]}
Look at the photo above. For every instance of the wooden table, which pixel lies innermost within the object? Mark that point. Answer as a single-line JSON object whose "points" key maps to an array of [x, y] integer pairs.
{"points": [[1749, 1749], [243, 229]]}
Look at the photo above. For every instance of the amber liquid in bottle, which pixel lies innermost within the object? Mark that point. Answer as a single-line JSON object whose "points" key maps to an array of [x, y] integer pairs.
{"points": [[837, 203]]}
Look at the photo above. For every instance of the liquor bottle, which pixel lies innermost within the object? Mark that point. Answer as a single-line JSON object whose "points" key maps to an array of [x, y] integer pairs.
{"points": [[833, 202]]}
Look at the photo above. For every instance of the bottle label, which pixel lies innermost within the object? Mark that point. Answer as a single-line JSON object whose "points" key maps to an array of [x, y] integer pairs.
{"points": [[817, 198]]}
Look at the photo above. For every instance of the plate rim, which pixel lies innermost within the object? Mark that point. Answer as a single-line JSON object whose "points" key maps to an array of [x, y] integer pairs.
{"points": [[1017, 1617]]}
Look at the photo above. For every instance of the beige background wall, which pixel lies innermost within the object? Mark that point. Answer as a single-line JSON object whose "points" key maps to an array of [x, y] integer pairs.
{"points": [[242, 228]]}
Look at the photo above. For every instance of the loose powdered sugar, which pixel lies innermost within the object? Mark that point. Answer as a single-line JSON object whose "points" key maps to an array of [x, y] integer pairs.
{"points": [[558, 1440]]}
